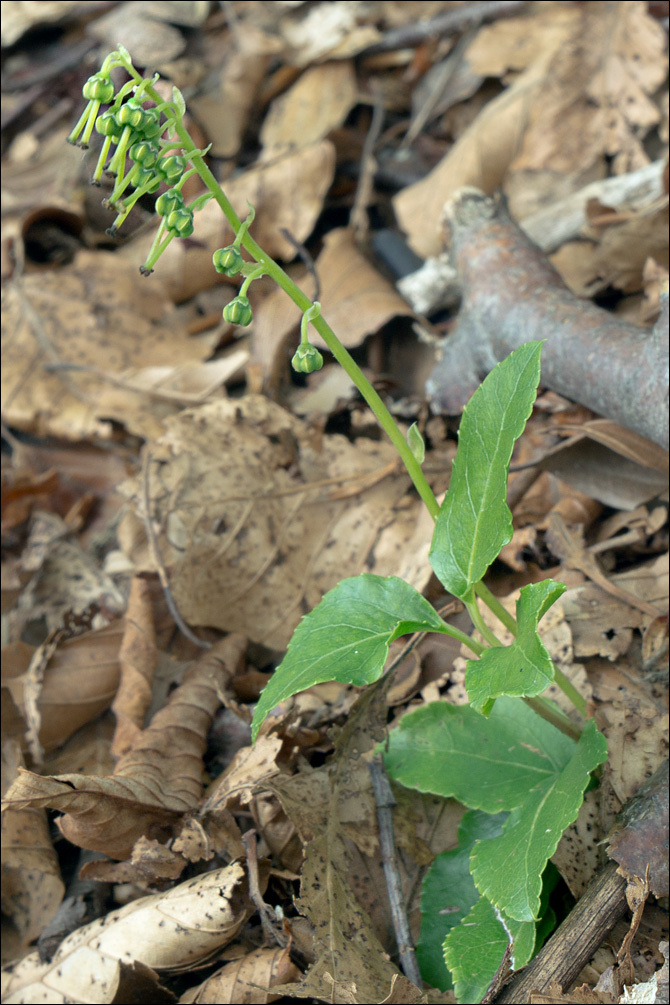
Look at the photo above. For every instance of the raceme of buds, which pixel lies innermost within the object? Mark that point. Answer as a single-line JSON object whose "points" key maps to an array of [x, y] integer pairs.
{"points": [[307, 358], [228, 261], [238, 311]]}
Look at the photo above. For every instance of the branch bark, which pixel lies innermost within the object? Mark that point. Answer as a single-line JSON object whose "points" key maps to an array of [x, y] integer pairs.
{"points": [[512, 295]]}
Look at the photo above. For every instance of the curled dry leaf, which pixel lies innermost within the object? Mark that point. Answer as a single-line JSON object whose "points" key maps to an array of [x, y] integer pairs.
{"points": [[242, 981], [257, 520], [156, 782], [79, 682], [137, 659], [32, 888], [171, 931]]}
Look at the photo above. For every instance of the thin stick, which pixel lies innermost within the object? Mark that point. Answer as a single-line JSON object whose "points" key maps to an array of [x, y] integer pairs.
{"points": [[358, 218], [270, 931], [385, 803], [158, 562]]}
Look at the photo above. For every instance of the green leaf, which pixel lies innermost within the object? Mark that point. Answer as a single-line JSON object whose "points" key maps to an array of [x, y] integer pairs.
{"points": [[448, 893], [346, 637], [508, 869], [524, 667], [474, 950], [475, 522], [487, 764], [416, 444]]}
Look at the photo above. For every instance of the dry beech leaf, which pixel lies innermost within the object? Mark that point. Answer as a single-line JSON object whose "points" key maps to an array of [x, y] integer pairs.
{"points": [[249, 767], [319, 101], [137, 660], [256, 520], [149, 41], [514, 43], [150, 863], [480, 157], [32, 888], [79, 682], [172, 931], [241, 982], [596, 100], [331, 30], [18, 18], [156, 782], [97, 314]]}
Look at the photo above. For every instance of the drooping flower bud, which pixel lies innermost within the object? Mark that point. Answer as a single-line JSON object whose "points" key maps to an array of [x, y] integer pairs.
{"points": [[228, 261], [307, 358], [238, 312]]}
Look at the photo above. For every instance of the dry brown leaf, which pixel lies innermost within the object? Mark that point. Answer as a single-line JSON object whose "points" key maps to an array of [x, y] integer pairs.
{"points": [[155, 783], [149, 41], [223, 111], [249, 767], [170, 931], [32, 888], [150, 863], [137, 661], [330, 30], [247, 544], [514, 43], [241, 982], [79, 682], [97, 313], [481, 157], [596, 98], [318, 102], [19, 17]]}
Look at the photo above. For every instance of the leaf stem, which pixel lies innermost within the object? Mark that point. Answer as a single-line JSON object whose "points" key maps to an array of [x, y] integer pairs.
{"points": [[570, 691], [486, 633], [551, 713]]}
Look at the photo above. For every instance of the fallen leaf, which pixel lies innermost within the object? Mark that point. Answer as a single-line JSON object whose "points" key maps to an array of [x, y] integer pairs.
{"points": [[243, 980], [137, 661], [157, 781], [172, 931], [261, 525], [318, 102]]}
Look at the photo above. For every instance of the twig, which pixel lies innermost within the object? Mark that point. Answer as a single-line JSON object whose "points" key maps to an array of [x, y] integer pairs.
{"points": [[158, 562], [385, 803], [358, 218], [270, 930], [414, 34]]}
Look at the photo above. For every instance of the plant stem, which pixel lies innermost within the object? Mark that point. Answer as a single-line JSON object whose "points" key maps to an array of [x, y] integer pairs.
{"points": [[551, 713], [486, 633], [496, 607], [570, 691], [273, 270]]}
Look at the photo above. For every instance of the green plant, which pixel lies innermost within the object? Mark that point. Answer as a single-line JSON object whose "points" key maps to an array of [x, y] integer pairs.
{"points": [[513, 757]]}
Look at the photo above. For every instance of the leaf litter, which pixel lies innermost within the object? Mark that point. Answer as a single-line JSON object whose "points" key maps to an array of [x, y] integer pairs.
{"points": [[250, 514]]}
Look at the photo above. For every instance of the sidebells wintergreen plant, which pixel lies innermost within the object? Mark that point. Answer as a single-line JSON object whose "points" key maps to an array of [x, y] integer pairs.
{"points": [[513, 757]]}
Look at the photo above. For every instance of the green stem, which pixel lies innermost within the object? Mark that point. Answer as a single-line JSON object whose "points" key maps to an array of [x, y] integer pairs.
{"points": [[475, 647], [470, 602], [495, 606], [551, 713], [275, 272], [570, 691]]}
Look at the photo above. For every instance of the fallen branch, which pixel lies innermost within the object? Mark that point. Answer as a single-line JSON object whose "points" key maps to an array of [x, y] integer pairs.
{"points": [[512, 295]]}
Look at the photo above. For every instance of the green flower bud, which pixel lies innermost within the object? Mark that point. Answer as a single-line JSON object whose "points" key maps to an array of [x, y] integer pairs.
{"points": [[238, 311], [144, 153], [180, 222], [168, 202], [171, 168], [98, 88], [228, 261], [131, 114], [147, 180], [107, 125], [307, 358], [151, 126]]}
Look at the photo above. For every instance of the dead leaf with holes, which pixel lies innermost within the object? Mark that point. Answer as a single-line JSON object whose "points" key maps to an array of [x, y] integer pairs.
{"points": [[242, 981], [171, 932], [256, 517], [158, 780]]}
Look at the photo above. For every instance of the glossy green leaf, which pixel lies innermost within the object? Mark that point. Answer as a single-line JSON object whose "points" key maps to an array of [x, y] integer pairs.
{"points": [[474, 950], [475, 522], [525, 666], [448, 893], [508, 869], [488, 764], [346, 637], [416, 444]]}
